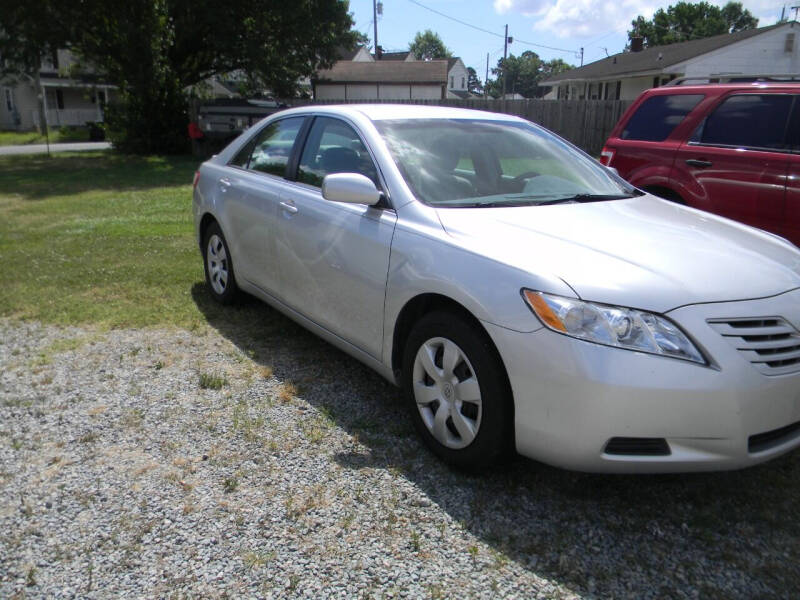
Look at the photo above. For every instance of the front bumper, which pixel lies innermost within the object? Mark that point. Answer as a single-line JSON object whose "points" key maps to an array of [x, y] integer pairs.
{"points": [[571, 397]]}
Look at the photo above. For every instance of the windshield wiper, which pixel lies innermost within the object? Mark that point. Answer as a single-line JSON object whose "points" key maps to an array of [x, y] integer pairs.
{"points": [[583, 198]]}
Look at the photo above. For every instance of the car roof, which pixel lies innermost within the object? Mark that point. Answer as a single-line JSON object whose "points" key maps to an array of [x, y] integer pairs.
{"points": [[721, 88], [382, 112]]}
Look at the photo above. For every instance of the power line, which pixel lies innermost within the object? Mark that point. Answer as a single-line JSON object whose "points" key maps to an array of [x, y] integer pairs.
{"points": [[446, 16]]}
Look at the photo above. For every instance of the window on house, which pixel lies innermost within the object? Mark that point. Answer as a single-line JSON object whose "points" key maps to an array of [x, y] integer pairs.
{"points": [[452, 85], [9, 99], [59, 99], [101, 97], [463, 84]]}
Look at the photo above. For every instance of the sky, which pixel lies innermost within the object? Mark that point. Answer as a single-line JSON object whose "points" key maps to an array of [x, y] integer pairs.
{"points": [[551, 28]]}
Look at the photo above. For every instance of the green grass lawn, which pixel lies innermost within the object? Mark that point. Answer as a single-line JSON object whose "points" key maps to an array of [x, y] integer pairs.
{"points": [[99, 238], [23, 138]]}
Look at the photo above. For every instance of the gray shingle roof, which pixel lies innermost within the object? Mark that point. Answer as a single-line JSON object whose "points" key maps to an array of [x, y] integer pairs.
{"points": [[395, 55], [432, 71], [655, 58]]}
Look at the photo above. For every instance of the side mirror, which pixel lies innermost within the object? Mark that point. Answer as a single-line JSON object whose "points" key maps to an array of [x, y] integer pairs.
{"points": [[352, 188]]}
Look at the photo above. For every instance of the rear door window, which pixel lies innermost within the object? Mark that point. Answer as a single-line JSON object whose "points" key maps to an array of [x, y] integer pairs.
{"points": [[757, 121], [658, 116], [272, 147]]}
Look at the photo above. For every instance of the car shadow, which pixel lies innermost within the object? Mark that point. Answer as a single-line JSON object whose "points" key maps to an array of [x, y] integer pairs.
{"points": [[712, 535], [35, 177]]}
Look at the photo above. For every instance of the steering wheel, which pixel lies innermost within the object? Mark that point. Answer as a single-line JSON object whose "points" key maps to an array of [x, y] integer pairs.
{"points": [[519, 180], [526, 175]]}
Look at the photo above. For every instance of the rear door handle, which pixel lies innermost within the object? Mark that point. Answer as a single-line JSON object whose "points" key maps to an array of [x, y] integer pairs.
{"points": [[225, 183], [695, 162], [288, 207]]}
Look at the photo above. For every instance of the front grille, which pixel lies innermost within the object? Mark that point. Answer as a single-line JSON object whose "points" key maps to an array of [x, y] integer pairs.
{"points": [[770, 439], [771, 344], [629, 446]]}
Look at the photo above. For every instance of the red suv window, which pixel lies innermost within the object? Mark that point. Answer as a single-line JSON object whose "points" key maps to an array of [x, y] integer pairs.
{"points": [[658, 116], [754, 121]]}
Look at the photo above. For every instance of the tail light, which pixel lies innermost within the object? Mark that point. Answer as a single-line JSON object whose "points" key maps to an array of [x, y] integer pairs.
{"points": [[606, 156], [196, 179]]}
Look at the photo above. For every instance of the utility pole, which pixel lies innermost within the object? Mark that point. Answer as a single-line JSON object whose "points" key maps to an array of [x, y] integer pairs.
{"points": [[505, 56], [582, 55], [375, 22], [486, 81], [795, 9]]}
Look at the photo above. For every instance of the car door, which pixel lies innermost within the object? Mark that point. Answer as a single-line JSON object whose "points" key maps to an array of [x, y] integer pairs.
{"points": [[791, 229], [333, 257], [251, 189], [735, 163]]}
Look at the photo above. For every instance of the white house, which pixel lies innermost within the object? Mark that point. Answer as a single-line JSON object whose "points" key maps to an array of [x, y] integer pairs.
{"points": [[395, 76], [69, 101], [744, 55]]}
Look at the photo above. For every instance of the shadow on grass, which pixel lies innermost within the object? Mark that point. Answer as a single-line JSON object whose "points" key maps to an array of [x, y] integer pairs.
{"points": [[38, 176], [713, 535]]}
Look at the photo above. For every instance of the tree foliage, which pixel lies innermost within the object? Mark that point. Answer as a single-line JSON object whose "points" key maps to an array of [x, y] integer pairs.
{"points": [[688, 21], [427, 45], [474, 83], [523, 74], [154, 49]]}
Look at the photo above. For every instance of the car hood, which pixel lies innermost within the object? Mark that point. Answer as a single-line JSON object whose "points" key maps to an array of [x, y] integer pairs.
{"points": [[641, 252]]}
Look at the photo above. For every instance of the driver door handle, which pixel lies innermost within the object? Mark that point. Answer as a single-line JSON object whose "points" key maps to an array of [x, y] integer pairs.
{"points": [[699, 163], [288, 207]]}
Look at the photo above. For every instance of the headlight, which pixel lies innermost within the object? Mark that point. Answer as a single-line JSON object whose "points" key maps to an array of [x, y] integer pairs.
{"points": [[612, 326]]}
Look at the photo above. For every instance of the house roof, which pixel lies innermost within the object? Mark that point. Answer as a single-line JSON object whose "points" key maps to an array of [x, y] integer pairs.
{"points": [[347, 53], [395, 55], [654, 58], [452, 61], [432, 71]]}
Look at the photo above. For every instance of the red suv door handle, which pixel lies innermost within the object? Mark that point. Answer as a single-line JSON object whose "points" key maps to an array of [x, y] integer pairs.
{"points": [[701, 164]]}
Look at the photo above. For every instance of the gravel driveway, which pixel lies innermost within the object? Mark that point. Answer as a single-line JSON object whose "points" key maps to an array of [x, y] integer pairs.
{"points": [[166, 463]]}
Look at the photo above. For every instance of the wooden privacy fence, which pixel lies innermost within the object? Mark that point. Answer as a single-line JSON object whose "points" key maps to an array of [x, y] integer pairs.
{"points": [[585, 123]]}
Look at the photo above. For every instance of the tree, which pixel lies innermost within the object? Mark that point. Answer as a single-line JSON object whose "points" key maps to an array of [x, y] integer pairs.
{"points": [[26, 37], [474, 84], [153, 50], [687, 21], [428, 45], [523, 74]]}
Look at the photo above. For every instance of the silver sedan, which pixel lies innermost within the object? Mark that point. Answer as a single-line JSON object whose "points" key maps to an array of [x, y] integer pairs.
{"points": [[525, 297]]}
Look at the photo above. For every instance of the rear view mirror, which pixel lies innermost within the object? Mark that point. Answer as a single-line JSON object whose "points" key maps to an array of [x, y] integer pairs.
{"points": [[352, 188]]}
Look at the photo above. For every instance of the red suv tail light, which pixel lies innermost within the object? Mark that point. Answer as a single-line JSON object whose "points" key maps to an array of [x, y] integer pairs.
{"points": [[606, 156]]}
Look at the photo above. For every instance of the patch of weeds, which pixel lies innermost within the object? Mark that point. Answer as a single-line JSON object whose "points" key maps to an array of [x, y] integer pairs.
{"points": [[88, 438], [134, 418], [265, 371], [159, 364], [230, 484], [212, 381], [16, 443], [473, 553], [415, 540], [30, 577], [293, 581], [287, 392], [437, 592], [254, 560], [242, 421]]}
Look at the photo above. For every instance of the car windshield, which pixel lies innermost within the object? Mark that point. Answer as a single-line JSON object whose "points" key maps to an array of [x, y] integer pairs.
{"points": [[485, 163]]}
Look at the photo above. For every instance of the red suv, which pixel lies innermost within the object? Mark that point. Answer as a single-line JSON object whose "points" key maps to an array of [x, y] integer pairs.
{"points": [[731, 149]]}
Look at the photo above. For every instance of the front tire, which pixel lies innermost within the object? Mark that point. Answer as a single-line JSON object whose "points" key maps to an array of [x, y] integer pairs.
{"points": [[457, 391], [220, 278]]}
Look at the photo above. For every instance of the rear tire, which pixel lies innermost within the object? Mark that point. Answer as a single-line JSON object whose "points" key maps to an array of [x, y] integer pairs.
{"points": [[220, 278], [457, 392]]}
